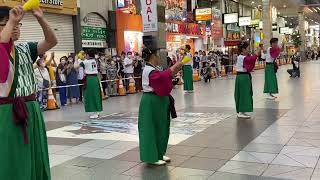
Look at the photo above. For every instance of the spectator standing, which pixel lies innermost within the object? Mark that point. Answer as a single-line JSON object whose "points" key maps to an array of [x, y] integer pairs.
{"points": [[61, 78], [43, 81], [72, 80], [102, 63], [112, 76], [196, 61], [128, 68], [81, 58], [138, 66]]}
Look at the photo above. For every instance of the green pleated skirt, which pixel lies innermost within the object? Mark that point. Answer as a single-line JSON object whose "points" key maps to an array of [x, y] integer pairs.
{"points": [[243, 93], [154, 127], [187, 78], [270, 82], [21, 161], [92, 95]]}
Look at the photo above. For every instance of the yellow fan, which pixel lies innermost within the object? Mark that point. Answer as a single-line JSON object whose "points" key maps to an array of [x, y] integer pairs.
{"points": [[31, 4]]}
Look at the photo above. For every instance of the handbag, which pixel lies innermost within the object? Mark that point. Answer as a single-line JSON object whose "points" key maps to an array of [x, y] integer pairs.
{"points": [[45, 83]]}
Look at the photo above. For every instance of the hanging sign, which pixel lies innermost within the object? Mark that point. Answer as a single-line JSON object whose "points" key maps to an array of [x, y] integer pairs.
{"points": [[149, 15]]}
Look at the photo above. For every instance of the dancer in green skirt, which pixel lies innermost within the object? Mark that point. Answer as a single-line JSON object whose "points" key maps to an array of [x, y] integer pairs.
{"points": [[187, 70], [271, 82], [92, 92], [243, 88], [155, 108], [24, 148]]}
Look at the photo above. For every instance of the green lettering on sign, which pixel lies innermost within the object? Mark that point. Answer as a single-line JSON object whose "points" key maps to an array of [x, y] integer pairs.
{"points": [[93, 33]]}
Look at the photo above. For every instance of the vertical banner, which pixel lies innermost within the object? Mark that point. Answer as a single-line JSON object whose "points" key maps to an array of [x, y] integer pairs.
{"points": [[149, 15]]}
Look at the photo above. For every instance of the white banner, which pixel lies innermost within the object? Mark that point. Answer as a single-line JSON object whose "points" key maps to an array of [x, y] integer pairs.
{"points": [[149, 15]]}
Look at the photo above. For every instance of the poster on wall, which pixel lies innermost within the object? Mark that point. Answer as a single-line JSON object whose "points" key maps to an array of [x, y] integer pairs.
{"points": [[176, 9], [133, 41], [217, 31], [149, 15], [93, 31]]}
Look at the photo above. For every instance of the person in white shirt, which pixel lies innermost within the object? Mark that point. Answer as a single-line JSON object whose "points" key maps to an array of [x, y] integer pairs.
{"points": [[92, 92], [81, 58], [128, 68], [43, 81]]}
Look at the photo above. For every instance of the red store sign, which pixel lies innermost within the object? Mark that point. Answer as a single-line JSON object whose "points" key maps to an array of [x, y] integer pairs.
{"points": [[185, 28]]}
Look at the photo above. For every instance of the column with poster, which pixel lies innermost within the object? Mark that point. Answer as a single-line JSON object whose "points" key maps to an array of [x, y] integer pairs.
{"points": [[154, 27]]}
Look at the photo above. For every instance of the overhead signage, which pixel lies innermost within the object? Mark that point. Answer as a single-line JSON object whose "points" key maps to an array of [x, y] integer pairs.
{"points": [[186, 28], [93, 31], [149, 15], [245, 21], [284, 30], [230, 18], [203, 14]]}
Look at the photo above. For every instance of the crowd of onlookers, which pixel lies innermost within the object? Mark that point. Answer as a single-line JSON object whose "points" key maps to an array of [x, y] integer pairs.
{"points": [[67, 75]]}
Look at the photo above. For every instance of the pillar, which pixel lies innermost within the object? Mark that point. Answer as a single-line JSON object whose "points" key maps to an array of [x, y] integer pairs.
{"points": [[267, 22], [302, 32], [160, 36]]}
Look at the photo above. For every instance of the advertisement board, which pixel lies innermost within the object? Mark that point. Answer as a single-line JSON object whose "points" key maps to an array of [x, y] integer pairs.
{"points": [[245, 21], [149, 15], [176, 9], [133, 41], [203, 14], [230, 18]]}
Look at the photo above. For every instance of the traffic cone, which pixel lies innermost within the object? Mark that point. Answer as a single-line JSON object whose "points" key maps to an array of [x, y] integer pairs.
{"points": [[223, 72], [195, 76], [234, 70], [121, 89], [31, 4], [52, 103], [213, 75], [180, 79], [132, 86]]}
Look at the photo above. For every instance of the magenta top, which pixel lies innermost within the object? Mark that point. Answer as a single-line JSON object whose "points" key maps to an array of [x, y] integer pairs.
{"points": [[250, 62], [161, 82], [275, 52], [5, 49]]}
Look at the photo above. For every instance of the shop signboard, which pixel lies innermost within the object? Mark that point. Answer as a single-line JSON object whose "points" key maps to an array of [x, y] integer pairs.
{"points": [[93, 31], [245, 21], [185, 28], [204, 14], [230, 18], [233, 27], [176, 9], [217, 29], [57, 4], [149, 15], [284, 30]]}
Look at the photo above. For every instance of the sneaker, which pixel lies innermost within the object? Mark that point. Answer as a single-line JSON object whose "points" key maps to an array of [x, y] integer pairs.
{"points": [[166, 159], [159, 163], [271, 97], [94, 116], [243, 116]]}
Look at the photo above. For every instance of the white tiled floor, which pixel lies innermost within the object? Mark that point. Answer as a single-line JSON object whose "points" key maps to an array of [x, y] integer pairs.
{"points": [[244, 168], [254, 157], [76, 151], [104, 153], [59, 159], [288, 172]]}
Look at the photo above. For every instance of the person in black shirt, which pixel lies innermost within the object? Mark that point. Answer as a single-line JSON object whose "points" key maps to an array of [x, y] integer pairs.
{"points": [[196, 61]]}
